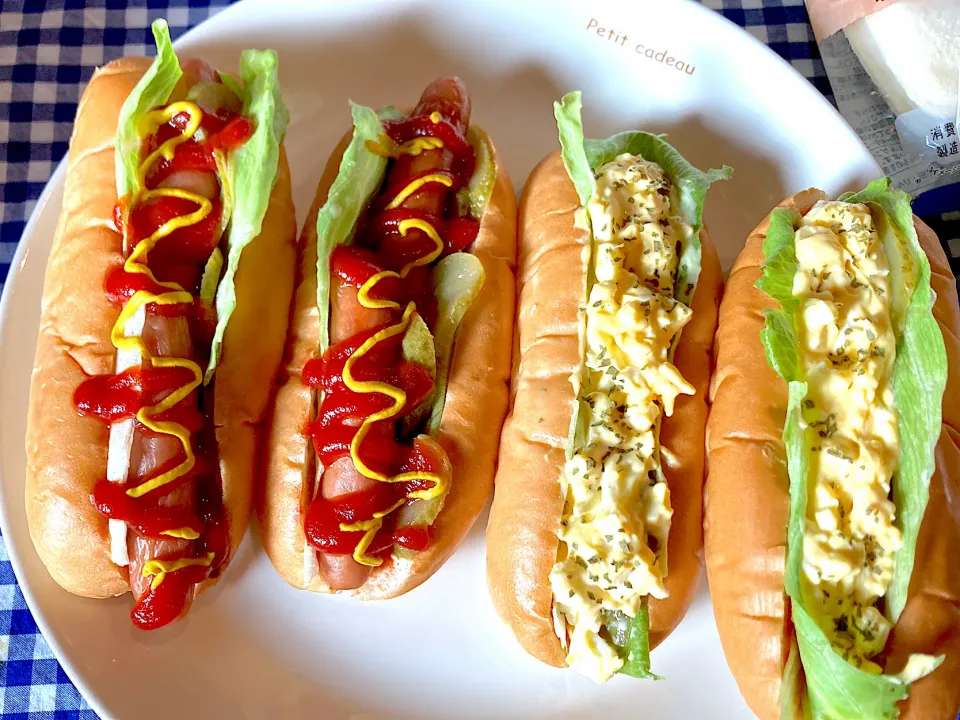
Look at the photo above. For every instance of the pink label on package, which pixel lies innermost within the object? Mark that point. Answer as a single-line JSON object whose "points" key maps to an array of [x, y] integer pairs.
{"points": [[830, 16]]}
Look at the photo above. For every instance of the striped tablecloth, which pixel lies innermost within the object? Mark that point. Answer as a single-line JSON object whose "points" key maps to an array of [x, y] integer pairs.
{"points": [[48, 51]]}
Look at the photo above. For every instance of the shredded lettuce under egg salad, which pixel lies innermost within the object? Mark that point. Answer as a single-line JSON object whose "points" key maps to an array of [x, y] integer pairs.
{"points": [[825, 683], [601, 584], [247, 173]]}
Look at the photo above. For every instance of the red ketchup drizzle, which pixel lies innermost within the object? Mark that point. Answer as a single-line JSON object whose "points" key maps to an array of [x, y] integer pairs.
{"points": [[178, 257], [342, 412], [457, 234], [465, 158], [146, 517], [380, 246], [164, 604], [461, 233], [324, 516], [114, 397], [234, 133]]}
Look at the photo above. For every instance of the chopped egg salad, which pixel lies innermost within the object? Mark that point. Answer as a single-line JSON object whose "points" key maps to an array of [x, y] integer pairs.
{"points": [[847, 350], [617, 512]]}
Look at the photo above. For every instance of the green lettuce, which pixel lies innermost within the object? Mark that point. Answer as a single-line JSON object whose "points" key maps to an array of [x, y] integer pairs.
{"points": [[570, 128], [248, 173], [251, 170], [835, 689], [360, 174], [631, 639], [690, 191], [582, 157], [637, 660], [152, 91], [779, 336]]}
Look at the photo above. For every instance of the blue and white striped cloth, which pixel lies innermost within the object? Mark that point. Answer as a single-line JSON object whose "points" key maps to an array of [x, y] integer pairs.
{"points": [[48, 51]]}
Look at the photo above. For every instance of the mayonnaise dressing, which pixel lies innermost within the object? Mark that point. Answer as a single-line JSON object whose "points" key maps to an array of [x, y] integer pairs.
{"points": [[847, 351], [617, 511]]}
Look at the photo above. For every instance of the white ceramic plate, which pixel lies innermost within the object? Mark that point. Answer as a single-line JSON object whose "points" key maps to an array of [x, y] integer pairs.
{"points": [[254, 647]]}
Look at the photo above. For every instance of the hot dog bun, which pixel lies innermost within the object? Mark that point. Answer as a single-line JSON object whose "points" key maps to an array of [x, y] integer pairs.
{"points": [[476, 400], [747, 501], [522, 533], [66, 452]]}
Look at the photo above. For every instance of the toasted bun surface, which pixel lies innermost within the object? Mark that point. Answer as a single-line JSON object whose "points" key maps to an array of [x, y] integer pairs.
{"points": [[522, 537], [476, 403], [67, 453], [747, 493], [747, 501]]}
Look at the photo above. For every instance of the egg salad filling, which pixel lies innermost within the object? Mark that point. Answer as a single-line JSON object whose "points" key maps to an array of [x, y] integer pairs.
{"points": [[616, 517], [847, 351]]}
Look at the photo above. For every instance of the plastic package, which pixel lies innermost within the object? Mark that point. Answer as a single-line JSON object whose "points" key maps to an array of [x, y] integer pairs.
{"points": [[894, 66]]}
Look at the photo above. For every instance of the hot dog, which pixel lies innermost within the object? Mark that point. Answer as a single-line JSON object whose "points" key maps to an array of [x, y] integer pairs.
{"points": [[164, 311], [601, 460], [382, 440], [833, 463]]}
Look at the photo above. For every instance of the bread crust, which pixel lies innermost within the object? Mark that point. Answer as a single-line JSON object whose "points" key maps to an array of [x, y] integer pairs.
{"points": [[476, 403], [522, 539], [747, 501], [66, 452]]}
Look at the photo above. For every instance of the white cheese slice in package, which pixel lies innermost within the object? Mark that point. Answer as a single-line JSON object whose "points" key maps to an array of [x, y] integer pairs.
{"points": [[911, 50]]}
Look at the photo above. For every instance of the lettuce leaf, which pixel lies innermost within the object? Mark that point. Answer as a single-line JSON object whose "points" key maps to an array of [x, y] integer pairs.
{"points": [[361, 172], [631, 639], [251, 172], [572, 150], [779, 336], [582, 158], [637, 661], [574, 156], [834, 688], [152, 91]]}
